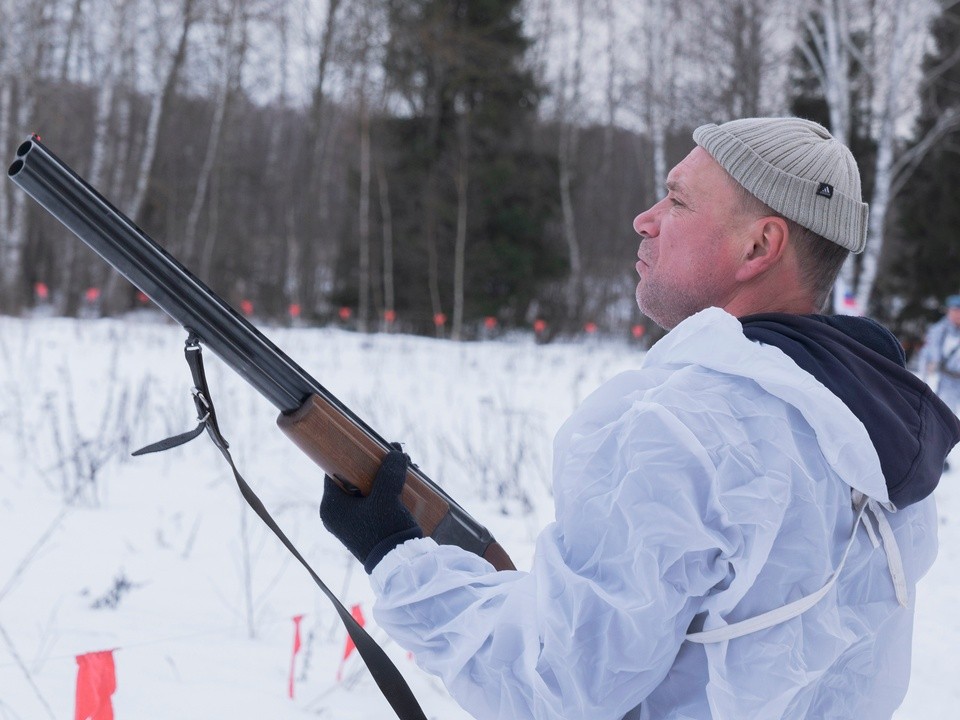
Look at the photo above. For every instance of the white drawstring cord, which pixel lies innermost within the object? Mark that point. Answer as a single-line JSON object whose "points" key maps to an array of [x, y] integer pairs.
{"points": [[791, 610]]}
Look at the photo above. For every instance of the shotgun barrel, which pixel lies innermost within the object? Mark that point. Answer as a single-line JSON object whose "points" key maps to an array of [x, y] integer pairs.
{"points": [[329, 432]]}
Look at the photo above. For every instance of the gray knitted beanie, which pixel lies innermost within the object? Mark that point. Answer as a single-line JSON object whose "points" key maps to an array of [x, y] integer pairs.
{"points": [[797, 168]]}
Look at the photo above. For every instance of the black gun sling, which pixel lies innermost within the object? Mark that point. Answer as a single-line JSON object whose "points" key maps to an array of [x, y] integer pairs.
{"points": [[388, 678]]}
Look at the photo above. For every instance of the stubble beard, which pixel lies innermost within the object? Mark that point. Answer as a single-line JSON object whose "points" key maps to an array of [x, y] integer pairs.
{"points": [[667, 307]]}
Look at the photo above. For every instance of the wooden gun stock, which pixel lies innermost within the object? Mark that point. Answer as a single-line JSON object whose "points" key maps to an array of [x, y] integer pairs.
{"points": [[351, 457]]}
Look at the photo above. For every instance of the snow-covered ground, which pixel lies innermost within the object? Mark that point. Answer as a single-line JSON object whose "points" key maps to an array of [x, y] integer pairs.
{"points": [[158, 559]]}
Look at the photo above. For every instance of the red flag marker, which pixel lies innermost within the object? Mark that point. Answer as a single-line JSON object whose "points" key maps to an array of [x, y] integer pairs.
{"points": [[490, 322], [96, 682], [439, 319], [590, 328], [296, 649], [539, 325], [246, 307], [345, 313], [294, 310], [92, 294], [638, 331], [390, 316], [142, 298], [41, 290], [350, 647]]}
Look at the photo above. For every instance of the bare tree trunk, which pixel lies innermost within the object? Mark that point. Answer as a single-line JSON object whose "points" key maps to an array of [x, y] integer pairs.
{"points": [[234, 54], [157, 110], [166, 85], [828, 28], [896, 56], [6, 100], [430, 227], [35, 39], [430, 205], [611, 97], [566, 156], [315, 136], [386, 219], [12, 257], [191, 232], [657, 92], [278, 168], [363, 309], [313, 178], [121, 144], [569, 110], [828, 56], [73, 26], [107, 81], [460, 246], [103, 138]]}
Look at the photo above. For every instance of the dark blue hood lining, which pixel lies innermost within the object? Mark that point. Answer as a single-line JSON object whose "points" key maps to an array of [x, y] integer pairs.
{"points": [[862, 363]]}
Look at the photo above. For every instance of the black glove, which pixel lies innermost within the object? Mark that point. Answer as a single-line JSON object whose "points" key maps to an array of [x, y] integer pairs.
{"points": [[371, 526]]}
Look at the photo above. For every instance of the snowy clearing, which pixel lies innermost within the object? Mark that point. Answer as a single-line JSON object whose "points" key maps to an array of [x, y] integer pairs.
{"points": [[159, 560]]}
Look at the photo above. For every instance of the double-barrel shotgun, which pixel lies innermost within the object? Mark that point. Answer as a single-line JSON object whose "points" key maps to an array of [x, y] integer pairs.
{"points": [[332, 435]]}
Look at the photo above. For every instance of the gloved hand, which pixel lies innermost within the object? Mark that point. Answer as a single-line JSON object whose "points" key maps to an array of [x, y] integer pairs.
{"points": [[371, 526]]}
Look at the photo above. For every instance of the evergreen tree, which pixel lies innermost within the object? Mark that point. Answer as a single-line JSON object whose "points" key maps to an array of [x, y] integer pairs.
{"points": [[464, 159], [923, 266]]}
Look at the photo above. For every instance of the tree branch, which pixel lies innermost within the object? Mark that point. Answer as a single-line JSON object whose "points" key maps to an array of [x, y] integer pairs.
{"points": [[907, 163], [16, 656]]}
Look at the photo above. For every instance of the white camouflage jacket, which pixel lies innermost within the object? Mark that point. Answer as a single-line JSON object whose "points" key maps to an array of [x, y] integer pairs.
{"points": [[711, 486]]}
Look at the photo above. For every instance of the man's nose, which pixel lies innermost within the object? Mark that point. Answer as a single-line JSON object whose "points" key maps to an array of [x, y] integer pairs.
{"points": [[647, 223]]}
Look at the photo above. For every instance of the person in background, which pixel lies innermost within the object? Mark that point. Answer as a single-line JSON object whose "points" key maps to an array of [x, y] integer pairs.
{"points": [[939, 359], [725, 543]]}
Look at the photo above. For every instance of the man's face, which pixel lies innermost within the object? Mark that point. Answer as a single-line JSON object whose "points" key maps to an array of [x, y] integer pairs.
{"points": [[954, 315], [687, 255]]}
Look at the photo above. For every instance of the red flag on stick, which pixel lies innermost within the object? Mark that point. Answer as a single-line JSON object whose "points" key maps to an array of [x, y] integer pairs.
{"points": [[296, 649], [96, 682], [350, 647]]}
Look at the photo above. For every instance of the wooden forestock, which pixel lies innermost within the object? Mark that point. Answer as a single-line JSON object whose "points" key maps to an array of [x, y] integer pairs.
{"points": [[351, 457]]}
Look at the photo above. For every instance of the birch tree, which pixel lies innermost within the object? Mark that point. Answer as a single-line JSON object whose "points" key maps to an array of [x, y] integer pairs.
{"points": [[922, 246], [657, 91], [114, 20], [569, 109], [311, 181], [903, 41], [29, 22], [736, 52], [828, 48], [612, 82], [386, 223], [889, 112], [170, 69], [363, 310], [880, 43], [232, 48]]}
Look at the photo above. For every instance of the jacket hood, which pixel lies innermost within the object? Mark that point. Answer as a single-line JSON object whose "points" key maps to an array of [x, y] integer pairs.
{"points": [[863, 364]]}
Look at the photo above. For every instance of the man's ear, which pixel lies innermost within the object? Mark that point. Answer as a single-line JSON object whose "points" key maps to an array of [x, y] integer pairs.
{"points": [[764, 246]]}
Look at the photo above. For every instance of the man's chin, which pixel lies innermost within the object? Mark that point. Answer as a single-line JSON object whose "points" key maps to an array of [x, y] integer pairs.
{"points": [[652, 312]]}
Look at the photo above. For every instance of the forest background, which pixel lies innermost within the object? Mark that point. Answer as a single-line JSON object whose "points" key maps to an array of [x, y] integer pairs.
{"points": [[454, 166]]}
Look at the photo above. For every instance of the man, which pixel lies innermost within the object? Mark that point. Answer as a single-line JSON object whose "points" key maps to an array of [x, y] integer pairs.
{"points": [[725, 543], [940, 355]]}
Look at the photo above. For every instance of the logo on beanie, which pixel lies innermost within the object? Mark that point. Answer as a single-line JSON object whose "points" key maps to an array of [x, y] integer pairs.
{"points": [[825, 191]]}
